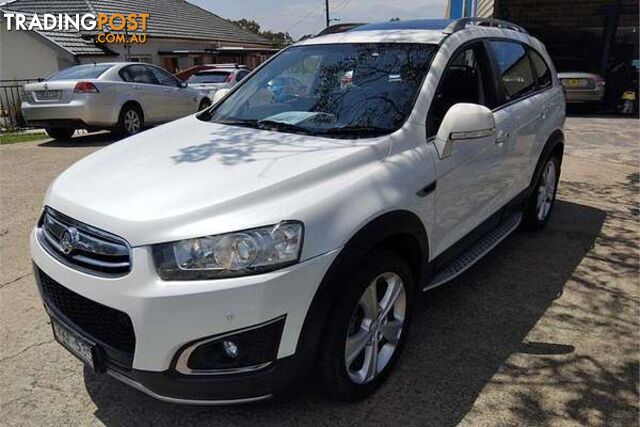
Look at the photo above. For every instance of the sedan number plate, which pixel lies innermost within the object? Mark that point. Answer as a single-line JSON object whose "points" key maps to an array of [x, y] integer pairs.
{"points": [[575, 83], [48, 95]]}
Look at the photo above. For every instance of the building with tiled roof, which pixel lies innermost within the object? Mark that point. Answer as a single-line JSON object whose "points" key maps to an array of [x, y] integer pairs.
{"points": [[179, 35]]}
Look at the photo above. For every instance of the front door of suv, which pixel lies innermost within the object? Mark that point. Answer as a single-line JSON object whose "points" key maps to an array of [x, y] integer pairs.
{"points": [[471, 181]]}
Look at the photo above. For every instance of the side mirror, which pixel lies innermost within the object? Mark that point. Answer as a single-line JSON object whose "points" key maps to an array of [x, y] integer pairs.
{"points": [[220, 93], [464, 122], [184, 85]]}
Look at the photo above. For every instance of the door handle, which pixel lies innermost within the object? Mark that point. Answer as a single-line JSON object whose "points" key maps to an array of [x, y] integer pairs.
{"points": [[543, 115]]}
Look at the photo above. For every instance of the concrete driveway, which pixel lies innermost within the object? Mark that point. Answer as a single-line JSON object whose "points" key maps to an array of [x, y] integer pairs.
{"points": [[545, 331]]}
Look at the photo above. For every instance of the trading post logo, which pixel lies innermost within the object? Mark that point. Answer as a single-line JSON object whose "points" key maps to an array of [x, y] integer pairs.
{"points": [[112, 28]]}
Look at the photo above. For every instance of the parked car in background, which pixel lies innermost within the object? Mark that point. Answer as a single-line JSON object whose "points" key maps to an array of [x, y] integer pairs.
{"points": [[231, 255], [582, 88], [185, 74], [210, 80], [123, 97]]}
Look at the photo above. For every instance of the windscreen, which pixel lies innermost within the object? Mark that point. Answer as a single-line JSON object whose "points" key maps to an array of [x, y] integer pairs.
{"points": [[337, 90], [80, 72]]}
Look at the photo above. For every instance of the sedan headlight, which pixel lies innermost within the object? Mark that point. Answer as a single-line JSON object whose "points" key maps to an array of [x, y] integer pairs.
{"points": [[233, 254]]}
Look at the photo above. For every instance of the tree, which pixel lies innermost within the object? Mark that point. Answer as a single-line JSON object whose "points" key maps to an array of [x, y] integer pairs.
{"points": [[248, 25], [278, 39]]}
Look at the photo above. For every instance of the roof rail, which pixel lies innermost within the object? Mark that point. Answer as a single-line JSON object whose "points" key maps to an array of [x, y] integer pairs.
{"points": [[461, 24]]}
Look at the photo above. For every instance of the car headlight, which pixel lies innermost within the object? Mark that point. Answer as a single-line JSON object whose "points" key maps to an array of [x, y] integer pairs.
{"points": [[240, 253]]}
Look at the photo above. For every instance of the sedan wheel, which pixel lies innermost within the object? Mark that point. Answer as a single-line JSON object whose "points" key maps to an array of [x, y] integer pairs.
{"points": [[375, 328], [132, 122]]}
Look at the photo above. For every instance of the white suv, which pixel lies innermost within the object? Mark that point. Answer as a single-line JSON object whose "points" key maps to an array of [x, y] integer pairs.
{"points": [[227, 256]]}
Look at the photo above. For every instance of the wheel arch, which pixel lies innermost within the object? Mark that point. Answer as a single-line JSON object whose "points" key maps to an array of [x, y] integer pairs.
{"points": [[554, 145], [131, 103], [401, 231]]}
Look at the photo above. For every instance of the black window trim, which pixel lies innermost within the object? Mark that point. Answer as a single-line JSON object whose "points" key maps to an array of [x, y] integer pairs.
{"points": [[495, 83], [492, 59]]}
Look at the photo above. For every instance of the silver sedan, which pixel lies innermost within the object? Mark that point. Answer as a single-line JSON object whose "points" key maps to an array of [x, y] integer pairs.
{"points": [[122, 97]]}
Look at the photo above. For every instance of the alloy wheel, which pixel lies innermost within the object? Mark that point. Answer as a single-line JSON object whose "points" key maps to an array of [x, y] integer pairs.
{"points": [[546, 190], [375, 328], [132, 122]]}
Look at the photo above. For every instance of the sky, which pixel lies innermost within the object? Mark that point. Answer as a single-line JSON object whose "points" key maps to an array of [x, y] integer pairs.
{"points": [[300, 17]]}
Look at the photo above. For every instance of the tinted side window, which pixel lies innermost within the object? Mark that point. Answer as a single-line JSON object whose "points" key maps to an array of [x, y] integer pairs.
{"points": [[163, 77], [242, 75], [466, 79], [514, 68], [138, 74], [541, 69]]}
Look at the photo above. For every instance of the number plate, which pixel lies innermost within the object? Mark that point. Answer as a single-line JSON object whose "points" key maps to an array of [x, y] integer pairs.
{"points": [[575, 83], [47, 95], [75, 344]]}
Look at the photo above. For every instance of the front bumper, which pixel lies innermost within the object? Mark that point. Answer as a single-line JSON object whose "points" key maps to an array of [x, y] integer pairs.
{"points": [[168, 315]]}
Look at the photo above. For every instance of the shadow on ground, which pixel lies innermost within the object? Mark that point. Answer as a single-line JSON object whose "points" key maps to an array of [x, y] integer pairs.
{"points": [[85, 140], [463, 333]]}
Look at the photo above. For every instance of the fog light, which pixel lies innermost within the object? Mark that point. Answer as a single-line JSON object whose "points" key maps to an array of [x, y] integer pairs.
{"points": [[210, 356], [230, 349]]}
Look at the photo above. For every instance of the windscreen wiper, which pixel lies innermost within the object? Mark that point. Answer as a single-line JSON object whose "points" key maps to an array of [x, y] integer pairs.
{"points": [[355, 131], [287, 127]]}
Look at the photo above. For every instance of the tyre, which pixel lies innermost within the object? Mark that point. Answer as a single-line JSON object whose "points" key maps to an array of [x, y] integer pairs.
{"points": [[367, 328], [204, 104], [543, 198], [131, 121], [60, 133]]}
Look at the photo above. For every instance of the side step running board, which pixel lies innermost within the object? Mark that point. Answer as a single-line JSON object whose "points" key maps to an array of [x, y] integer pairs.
{"points": [[479, 249]]}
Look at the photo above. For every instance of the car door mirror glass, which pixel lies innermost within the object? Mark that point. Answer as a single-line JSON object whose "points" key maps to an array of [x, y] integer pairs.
{"points": [[464, 122]]}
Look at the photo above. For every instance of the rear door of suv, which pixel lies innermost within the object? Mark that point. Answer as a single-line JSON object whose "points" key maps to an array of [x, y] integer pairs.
{"points": [[520, 112]]}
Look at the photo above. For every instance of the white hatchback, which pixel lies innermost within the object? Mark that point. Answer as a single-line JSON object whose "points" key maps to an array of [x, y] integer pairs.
{"points": [[287, 230]]}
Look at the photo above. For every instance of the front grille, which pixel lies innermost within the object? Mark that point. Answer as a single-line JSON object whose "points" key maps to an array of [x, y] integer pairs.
{"points": [[105, 325], [83, 247]]}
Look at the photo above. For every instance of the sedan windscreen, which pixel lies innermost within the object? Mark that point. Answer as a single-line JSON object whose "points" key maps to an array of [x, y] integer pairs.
{"points": [[335, 90], [81, 72], [211, 77]]}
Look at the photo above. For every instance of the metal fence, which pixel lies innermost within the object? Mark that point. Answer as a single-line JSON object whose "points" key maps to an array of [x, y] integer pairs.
{"points": [[11, 118]]}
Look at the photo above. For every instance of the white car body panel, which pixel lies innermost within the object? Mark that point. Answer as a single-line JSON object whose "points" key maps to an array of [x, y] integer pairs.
{"points": [[191, 178]]}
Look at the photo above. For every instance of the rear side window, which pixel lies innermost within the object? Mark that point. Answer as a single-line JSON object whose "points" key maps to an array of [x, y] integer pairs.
{"points": [[514, 68], [138, 74], [541, 70], [163, 77], [81, 72]]}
